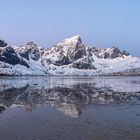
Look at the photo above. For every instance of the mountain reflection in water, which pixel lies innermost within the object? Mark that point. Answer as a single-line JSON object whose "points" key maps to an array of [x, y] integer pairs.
{"points": [[70, 95]]}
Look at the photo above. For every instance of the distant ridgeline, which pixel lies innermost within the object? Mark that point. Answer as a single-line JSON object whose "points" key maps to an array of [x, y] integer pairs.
{"points": [[69, 57]]}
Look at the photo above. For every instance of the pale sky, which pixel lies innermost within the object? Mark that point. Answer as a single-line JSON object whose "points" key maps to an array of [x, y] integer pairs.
{"points": [[102, 23]]}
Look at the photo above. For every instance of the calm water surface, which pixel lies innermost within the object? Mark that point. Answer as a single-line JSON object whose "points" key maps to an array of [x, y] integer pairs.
{"points": [[69, 108]]}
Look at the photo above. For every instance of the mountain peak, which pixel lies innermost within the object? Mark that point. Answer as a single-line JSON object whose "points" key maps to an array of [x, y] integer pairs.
{"points": [[71, 41], [76, 37], [109, 53], [31, 43]]}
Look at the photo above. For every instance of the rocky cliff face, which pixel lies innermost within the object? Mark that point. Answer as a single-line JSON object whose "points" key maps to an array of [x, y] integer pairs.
{"points": [[67, 51], [108, 53], [8, 55], [30, 50], [69, 57], [3, 43]]}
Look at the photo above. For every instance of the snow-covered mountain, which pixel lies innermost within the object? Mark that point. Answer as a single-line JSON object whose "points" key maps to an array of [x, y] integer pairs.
{"points": [[69, 57]]}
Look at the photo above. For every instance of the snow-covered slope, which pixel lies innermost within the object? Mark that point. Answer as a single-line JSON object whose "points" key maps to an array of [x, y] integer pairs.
{"points": [[69, 57]]}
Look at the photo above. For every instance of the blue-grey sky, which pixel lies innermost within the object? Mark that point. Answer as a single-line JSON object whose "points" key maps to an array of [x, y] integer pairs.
{"points": [[102, 23]]}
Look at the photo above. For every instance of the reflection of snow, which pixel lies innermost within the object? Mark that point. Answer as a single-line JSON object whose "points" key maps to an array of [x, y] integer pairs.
{"points": [[117, 83], [67, 94], [68, 109]]}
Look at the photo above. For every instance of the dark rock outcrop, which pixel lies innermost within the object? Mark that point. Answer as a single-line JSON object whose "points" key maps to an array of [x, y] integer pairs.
{"points": [[77, 54], [114, 54], [3, 43], [24, 53], [125, 53], [30, 50], [62, 61], [8, 55], [33, 50], [84, 64]]}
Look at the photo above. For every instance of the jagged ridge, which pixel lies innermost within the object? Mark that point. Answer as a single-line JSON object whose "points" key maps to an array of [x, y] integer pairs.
{"points": [[69, 57]]}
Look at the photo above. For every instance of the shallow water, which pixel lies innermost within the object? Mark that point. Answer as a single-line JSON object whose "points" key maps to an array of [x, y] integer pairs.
{"points": [[69, 108]]}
